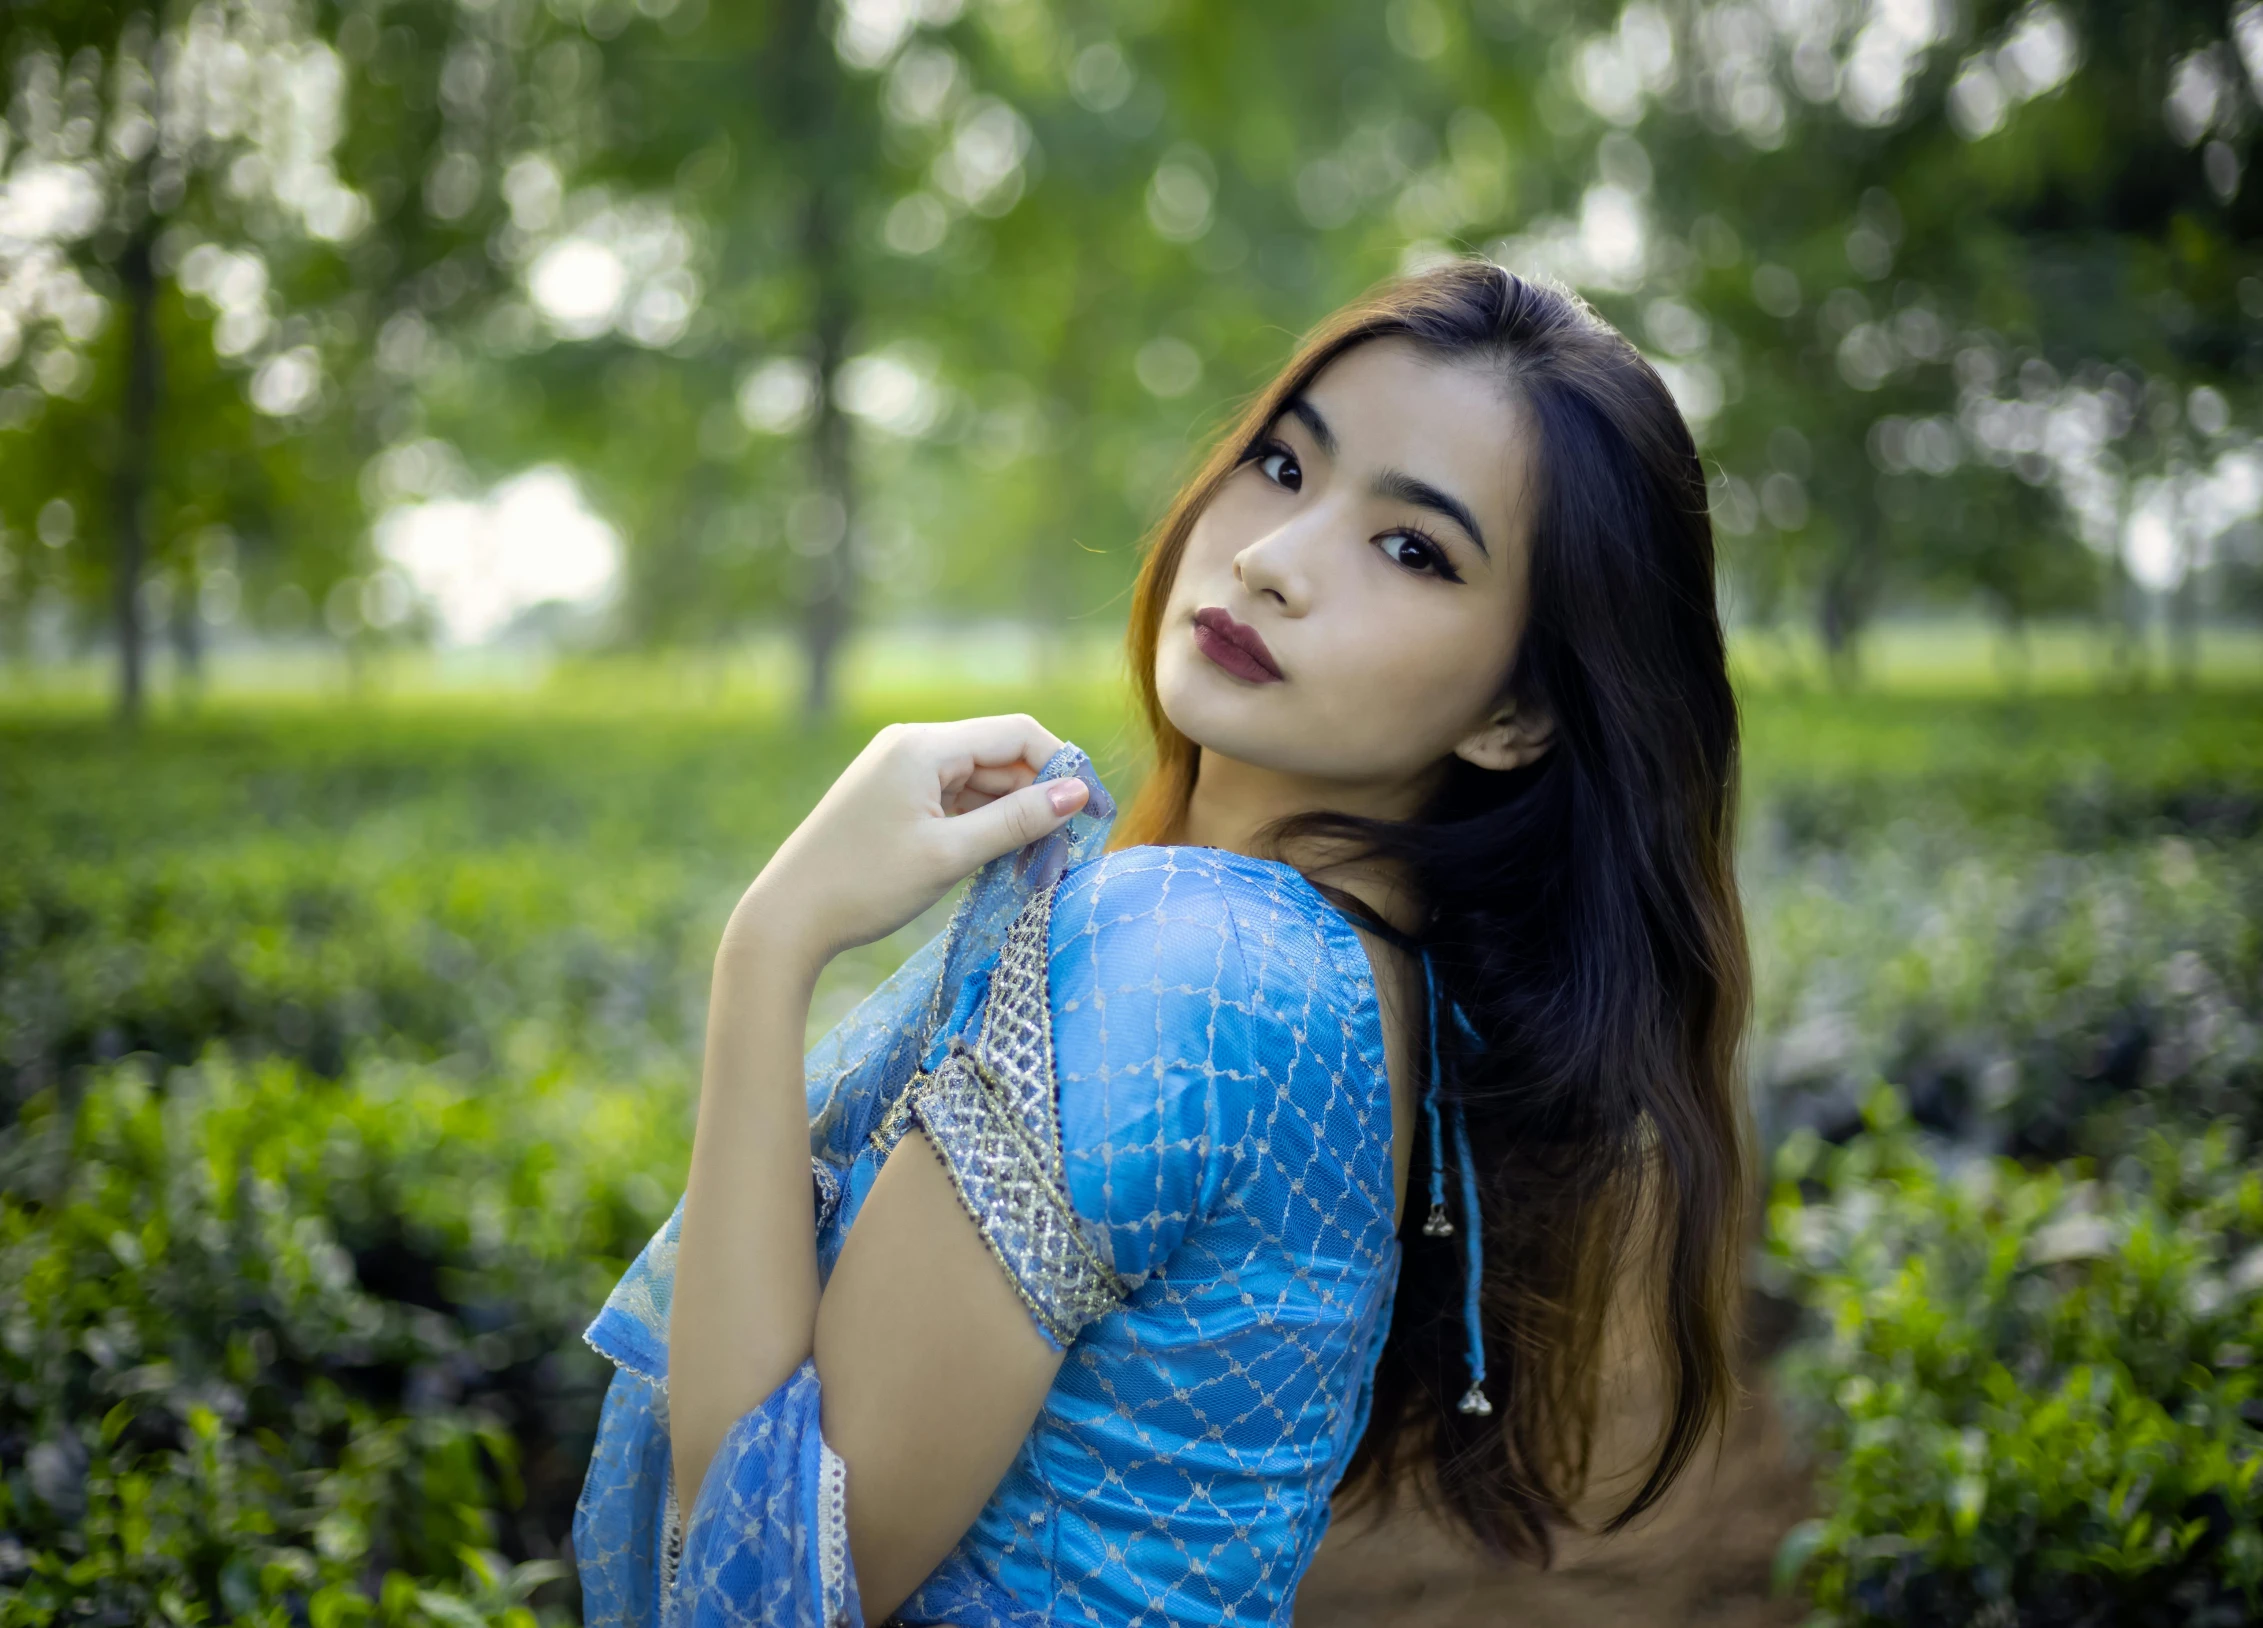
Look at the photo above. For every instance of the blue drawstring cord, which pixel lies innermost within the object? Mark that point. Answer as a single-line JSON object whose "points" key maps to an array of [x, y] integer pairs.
{"points": [[1437, 1225], [1475, 1401]]}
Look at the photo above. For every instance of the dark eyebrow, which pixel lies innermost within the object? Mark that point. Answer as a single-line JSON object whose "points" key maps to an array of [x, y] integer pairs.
{"points": [[1403, 487], [1309, 416]]}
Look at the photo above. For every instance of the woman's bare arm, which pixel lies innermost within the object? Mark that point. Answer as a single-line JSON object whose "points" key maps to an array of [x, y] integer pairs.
{"points": [[933, 1374], [932, 1369], [746, 1265]]}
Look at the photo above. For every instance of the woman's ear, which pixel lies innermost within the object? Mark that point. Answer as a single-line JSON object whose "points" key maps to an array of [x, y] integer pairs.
{"points": [[1509, 739]]}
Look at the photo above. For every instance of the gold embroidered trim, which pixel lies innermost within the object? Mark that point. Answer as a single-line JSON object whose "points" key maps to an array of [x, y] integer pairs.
{"points": [[825, 1189], [897, 1119]]}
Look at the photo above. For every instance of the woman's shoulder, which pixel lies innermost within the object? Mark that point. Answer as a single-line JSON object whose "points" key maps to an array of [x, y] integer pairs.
{"points": [[1202, 948], [1209, 1014], [1175, 912]]}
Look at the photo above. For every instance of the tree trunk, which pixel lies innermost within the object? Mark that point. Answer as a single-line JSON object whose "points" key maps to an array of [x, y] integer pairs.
{"points": [[1850, 594], [2125, 611], [1843, 604], [825, 612], [2015, 658], [1053, 560], [188, 646], [2184, 625], [137, 431], [818, 114]]}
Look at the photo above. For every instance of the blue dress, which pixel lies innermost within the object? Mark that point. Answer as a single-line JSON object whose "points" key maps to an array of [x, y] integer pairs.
{"points": [[1158, 1087]]}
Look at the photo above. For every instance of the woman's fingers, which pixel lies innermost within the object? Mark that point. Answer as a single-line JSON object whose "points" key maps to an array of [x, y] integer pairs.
{"points": [[1010, 822], [977, 760], [998, 782], [999, 742], [966, 802]]}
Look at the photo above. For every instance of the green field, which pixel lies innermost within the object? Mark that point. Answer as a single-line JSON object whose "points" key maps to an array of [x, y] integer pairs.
{"points": [[348, 1053]]}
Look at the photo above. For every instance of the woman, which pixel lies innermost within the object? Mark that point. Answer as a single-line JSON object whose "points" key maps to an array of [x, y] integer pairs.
{"points": [[1112, 1283]]}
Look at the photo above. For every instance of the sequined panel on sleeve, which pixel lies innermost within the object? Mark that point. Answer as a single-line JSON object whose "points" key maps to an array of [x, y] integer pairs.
{"points": [[989, 1111]]}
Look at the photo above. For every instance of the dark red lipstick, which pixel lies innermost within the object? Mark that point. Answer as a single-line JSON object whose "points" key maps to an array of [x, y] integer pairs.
{"points": [[1234, 646]]}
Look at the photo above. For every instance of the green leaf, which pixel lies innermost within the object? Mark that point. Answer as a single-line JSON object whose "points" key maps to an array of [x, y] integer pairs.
{"points": [[1799, 1546], [337, 1606]]}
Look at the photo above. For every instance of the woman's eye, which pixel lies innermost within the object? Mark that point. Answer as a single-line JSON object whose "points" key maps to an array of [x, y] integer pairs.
{"points": [[1418, 553], [1279, 465]]}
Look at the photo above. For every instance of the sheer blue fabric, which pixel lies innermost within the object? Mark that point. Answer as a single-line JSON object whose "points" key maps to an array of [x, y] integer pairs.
{"points": [[1157, 1084]]}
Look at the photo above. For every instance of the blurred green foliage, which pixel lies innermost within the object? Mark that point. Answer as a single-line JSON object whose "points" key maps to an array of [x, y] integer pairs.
{"points": [[2047, 962], [2035, 1394], [345, 1054]]}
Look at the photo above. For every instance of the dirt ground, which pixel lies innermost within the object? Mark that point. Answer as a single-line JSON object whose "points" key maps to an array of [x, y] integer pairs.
{"points": [[1704, 1558]]}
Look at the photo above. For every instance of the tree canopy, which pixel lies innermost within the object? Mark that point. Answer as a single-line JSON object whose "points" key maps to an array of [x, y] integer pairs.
{"points": [[835, 307]]}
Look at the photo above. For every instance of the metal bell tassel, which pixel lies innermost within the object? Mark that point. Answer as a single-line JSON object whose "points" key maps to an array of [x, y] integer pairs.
{"points": [[1475, 1401], [1437, 1226]]}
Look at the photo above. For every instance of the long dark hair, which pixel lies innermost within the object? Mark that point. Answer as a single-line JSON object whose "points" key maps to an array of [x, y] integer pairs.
{"points": [[1581, 910]]}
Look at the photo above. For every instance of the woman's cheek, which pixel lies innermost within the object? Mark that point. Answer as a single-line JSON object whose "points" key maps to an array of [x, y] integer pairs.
{"points": [[1393, 655], [1367, 688], [1415, 676]]}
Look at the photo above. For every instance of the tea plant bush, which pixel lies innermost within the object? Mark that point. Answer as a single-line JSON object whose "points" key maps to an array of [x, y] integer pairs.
{"points": [[289, 1349], [313, 950], [2026, 1380], [2034, 1390], [2029, 999]]}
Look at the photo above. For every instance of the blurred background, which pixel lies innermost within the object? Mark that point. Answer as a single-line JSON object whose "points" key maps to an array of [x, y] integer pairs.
{"points": [[472, 470], [351, 329]]}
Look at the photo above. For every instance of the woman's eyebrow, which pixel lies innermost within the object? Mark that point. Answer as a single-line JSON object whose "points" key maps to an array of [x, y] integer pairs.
{"points": [[1309, 416], [1402, 487]]}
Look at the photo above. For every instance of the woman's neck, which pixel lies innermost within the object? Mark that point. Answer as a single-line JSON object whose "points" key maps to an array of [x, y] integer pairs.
{"points": [[1234, 802]]}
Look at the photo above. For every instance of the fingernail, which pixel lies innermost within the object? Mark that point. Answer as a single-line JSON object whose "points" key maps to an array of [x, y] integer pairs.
{"points": [[1065, 795]]}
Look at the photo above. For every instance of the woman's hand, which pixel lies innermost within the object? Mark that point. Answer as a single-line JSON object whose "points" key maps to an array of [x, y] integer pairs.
{"points": [[923, 806]]}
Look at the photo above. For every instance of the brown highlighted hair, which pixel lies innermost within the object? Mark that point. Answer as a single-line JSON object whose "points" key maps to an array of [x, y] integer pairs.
{"points": [[1581, 910]]}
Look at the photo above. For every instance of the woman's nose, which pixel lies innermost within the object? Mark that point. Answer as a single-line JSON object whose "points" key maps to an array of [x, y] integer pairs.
{"points": [[1277, 567]]}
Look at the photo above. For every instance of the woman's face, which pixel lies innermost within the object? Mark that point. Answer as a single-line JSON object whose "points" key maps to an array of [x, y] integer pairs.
{"points": [[1348, 605]]}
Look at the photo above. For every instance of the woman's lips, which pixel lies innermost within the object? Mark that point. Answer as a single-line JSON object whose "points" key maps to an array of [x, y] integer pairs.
{"points": [[1234, 646]]}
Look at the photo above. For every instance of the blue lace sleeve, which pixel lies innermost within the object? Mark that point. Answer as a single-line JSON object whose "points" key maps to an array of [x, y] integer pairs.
{"points": [[767, 1543], [625, 1521], [1164, 1043], [1099, 1108]]}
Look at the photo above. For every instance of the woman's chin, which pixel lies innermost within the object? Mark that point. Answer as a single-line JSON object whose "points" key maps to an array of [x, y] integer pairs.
{"points": [[1235, 734], [1214, 709]]}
